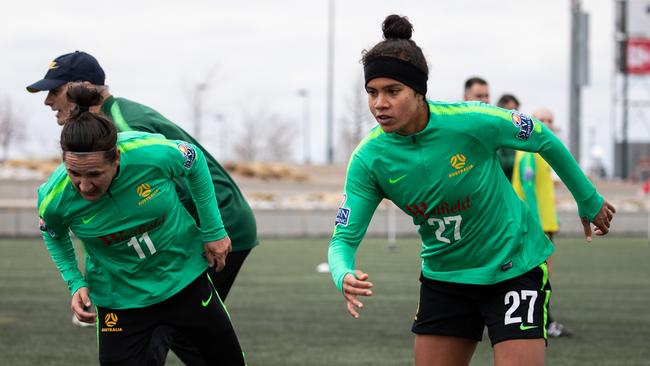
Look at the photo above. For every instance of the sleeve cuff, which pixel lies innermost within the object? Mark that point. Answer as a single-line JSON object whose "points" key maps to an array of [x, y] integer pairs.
{"points": [[215, 235], [590, 207]]}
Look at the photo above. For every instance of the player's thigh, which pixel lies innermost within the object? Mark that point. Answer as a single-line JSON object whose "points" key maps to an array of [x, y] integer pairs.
{"points": [[518, 308], [448, 309], [515, 352], [434, 350], [124, 336], [198, 315], [224, 279]]}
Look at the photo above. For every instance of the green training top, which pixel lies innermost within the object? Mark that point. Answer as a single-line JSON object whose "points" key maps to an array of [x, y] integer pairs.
{"points": [[142, 246], [447, 177], [237, 214]]}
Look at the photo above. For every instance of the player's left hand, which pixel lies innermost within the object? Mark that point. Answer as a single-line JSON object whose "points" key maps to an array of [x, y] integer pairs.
{"points": [[216, 252], [602, 221], [80, 305]]}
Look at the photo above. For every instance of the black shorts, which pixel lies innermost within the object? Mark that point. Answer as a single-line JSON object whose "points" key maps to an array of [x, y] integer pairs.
{"points": [[513, 309], [223, 280], [142, 336]]}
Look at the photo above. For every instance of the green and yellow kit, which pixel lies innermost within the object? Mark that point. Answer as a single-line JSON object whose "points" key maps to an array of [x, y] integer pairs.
{"points": [[142, 245], [447, 177], [237, 214], [532, 179]]}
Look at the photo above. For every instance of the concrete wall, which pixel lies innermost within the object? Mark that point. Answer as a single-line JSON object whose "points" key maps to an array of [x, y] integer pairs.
{"points": [[18, 218]]}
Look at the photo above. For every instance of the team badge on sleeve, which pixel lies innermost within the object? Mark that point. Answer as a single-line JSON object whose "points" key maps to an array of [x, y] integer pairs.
{"points": [[188, 153], [43, 227], [525, 124], [343, 215]]}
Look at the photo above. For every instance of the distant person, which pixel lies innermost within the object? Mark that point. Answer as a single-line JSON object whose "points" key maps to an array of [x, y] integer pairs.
{"points": [[507, 156], [476, 89], [483, 255], [532, 179], [130, 116], [146, 266]]}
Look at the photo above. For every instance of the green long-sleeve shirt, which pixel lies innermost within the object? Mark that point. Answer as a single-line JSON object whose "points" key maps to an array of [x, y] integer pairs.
{"points": [[237, 214], [142, 246], [447, 177]]}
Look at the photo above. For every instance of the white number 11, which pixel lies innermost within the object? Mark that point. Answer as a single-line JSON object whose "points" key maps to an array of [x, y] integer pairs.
{"points": [[135, 243]]}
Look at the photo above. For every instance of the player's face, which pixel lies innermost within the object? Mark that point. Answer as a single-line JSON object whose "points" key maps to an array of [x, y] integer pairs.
{"points": [[394, 106], [478, 92], [90, 173], [547, 119], [511, 105], [58, 101]]}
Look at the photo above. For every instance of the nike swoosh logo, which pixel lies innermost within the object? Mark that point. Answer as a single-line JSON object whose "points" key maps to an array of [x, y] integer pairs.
{"points": [[395, 180], [206, 302], [526, 327], [88, 220]]}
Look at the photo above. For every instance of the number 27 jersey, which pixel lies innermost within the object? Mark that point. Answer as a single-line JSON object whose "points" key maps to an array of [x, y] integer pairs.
{"points": [[447, 178]]}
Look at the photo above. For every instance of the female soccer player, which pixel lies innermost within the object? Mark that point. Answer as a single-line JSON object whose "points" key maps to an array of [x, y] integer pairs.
{"points": [[145, 264], [483, 254]]}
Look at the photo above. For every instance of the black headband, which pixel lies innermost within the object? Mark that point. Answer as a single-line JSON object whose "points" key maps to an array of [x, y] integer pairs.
{"points": [[395, 68]]}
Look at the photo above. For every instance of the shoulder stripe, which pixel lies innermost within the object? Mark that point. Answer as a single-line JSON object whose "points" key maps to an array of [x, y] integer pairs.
{"points": [[148, 141], [56, 190], [452, 109], [118, 118], [376, 132]]}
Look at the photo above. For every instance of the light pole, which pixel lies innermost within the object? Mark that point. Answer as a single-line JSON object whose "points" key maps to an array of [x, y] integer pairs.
{"points": [[330, 84], [199, 89], [223, 138], [304, 94]]}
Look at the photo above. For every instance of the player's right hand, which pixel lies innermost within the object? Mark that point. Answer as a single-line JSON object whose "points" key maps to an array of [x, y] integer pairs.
{"points": [[353, 286], [80, 302]]}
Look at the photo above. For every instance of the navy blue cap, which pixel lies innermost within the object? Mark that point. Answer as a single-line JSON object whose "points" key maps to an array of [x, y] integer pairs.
{"points": [[76, 66]]}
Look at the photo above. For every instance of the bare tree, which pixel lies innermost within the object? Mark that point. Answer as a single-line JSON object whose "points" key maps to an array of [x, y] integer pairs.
{"points": [[355, 123], [266, 136], [279, 144], [10, 127], [248, 147]]}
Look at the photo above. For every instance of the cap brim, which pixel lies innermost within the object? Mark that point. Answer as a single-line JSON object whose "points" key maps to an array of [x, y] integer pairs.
{"points": [[45, 84]]}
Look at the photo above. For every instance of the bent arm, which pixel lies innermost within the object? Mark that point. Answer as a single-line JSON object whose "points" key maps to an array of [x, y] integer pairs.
{"points": [[521, 132], [63, 256], [199, 183], [360, 201]]}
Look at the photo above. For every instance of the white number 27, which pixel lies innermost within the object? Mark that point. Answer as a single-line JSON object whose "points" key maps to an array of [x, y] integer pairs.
{"points": [[512, 297], [442, 225]]}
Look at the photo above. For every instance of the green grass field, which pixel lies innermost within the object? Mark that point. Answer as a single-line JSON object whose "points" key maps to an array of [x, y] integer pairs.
{"points": [[286, 313]]}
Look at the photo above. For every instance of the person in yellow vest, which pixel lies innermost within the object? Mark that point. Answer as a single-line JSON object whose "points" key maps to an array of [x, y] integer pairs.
{"points": [[532, 179]]}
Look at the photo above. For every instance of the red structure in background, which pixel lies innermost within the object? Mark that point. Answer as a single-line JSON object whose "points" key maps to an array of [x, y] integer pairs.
{"points": [[638, 56]]}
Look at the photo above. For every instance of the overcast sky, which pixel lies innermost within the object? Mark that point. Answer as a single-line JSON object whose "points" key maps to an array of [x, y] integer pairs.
{"points": [[261, 53]]}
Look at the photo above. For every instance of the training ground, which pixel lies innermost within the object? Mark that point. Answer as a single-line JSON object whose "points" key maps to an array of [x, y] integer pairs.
{"points": [[286, 313]]}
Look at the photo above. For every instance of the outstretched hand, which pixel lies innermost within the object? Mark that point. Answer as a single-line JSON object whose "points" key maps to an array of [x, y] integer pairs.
{"points": [[353, 286], [602, 221]]}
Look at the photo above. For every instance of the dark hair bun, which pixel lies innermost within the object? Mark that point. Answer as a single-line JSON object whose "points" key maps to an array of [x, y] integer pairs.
{"points": [[84, 96], [397, 27]]}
